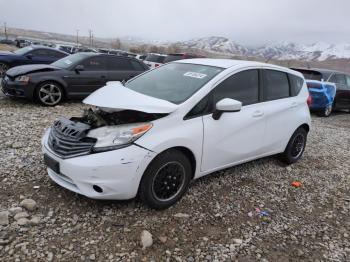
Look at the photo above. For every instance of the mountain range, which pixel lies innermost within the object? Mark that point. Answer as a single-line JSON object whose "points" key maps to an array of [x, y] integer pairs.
{"points": [[319, 51]]}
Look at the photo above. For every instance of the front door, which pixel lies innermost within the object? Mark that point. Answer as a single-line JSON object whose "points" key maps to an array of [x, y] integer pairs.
{"points": [[236, 136]]}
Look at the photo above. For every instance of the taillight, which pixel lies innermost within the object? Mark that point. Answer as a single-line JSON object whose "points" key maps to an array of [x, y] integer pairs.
{"points": [[309, 100], [156, 65]]}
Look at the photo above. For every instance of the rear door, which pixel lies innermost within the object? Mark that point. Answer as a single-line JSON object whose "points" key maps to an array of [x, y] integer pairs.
{"points": [[236, 136], [122, 68], [94, 76], [342, 95], [44, 56], [280, 109]]}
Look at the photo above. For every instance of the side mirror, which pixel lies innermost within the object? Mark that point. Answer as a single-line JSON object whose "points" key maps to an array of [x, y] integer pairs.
{"points": [[226, 105], [79, 68], [29, 56]]}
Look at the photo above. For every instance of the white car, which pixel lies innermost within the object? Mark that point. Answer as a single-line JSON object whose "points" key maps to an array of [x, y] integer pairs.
{"points": [[177, 123], [154, 60]]}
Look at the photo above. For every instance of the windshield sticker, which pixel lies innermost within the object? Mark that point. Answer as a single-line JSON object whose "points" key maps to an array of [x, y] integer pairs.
{"points": [[195, 75], [68, 62]]}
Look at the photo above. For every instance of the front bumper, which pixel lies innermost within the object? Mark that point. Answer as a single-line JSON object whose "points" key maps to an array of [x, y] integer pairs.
{"points": [[118, 173], [14, 89]]}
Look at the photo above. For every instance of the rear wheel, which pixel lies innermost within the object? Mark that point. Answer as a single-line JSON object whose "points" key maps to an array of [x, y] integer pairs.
{"points": [[326, 112], [166, 180], [49, 93], [295, 147], [3, 68]]}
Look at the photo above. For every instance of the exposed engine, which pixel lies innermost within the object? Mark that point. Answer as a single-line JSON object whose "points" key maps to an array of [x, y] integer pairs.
{"points": [[98, 118]]}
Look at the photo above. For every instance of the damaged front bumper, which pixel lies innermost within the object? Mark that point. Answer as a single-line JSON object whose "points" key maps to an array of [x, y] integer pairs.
{"points": [[12, 88], [114, 175]]}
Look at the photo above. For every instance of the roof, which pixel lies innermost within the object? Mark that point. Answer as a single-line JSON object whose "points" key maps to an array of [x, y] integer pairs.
{"points": [[46, 47], [227, 63]]}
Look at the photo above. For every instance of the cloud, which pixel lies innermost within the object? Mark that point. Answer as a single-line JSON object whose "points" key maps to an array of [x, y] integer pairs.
{"points": [[249, 22]]}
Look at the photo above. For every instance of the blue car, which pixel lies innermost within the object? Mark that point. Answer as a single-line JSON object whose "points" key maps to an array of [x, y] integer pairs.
{"points": [[322, 95], [29, 55]]}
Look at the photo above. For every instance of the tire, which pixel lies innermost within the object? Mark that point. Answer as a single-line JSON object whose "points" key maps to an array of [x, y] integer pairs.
{"points": [[155, 189], [295, 147], [3, 68], [49, 93], [326, 112]]}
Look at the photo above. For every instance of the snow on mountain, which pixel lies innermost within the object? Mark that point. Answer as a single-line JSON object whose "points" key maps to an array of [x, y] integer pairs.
{"points": [[280, 51]]}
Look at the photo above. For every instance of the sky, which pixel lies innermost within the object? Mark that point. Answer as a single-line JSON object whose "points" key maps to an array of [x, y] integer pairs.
{"points": [[248, 22]]}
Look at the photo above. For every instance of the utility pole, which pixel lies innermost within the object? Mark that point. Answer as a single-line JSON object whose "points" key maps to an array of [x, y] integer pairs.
{"points": [[90, 37], [92, 40], [5, 29], [77, 37]]}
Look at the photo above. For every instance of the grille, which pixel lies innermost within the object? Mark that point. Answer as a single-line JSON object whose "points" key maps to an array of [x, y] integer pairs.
{"points": [[68, 138]]}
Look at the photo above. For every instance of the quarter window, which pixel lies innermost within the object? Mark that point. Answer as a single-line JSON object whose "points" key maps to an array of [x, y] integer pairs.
{"points": [[137, 66], [243, 86], [276, 85], [296, 83]]}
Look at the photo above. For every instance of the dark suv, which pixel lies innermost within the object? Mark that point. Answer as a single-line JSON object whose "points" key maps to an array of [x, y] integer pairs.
{"points": [[75, 76], [340, 79], [179, 56]]}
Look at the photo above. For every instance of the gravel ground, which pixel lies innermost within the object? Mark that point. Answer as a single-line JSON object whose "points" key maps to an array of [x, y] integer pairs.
{"points": [[246, 213]]}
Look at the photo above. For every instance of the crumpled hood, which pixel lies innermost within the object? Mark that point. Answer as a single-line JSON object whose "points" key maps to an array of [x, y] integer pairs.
{"points": [[7, 53], [27, 69], [118, 97]]}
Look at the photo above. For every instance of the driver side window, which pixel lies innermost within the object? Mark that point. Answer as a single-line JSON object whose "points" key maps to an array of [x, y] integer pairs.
{"points": [[97, 63]]}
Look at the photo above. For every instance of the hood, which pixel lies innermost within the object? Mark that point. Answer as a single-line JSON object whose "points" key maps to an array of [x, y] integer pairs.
{"points": [[27, 69], [117, 97], [7, 53]]}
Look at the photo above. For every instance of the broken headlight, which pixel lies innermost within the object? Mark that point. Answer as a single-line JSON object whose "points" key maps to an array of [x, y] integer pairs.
{"points": [[114, 137], [22, 79]]}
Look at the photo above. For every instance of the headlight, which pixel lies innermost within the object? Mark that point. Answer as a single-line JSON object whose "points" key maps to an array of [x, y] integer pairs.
{"points": [[23, 79], [113, 137]]}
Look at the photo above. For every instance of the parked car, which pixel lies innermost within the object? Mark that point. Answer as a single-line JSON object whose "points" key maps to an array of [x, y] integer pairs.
{"points": [[179, 56], [340, 79], [22, 42], [7, 42], [176, 123], [322, 94], [29, 55], [154, 60], [65, 48], [75, 76], [141, 57]]}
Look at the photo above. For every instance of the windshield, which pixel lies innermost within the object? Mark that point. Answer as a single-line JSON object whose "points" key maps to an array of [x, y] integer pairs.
{"points": [[24, 50], [155, 58], [69, 61], [174, 82]]}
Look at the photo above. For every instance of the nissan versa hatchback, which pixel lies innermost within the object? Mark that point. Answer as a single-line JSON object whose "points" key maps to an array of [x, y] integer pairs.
{"points": [[177, 123]]}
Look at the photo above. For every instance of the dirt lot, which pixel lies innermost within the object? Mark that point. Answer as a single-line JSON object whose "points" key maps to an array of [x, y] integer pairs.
{"points": [[217, 219]]}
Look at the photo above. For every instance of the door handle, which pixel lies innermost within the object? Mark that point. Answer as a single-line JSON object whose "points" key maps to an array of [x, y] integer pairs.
{"points": [[258, 114], [103, 77]]}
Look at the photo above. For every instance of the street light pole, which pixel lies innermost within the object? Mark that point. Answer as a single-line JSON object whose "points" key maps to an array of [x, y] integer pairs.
{"points": [[5, 29], [77, 37]]}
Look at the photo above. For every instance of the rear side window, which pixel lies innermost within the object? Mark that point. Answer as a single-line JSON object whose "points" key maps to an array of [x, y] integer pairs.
{"points": [[276, 85], [117, 63], [171, 58], [243, 86], [155, 58], [296, 83], [137, 66]]}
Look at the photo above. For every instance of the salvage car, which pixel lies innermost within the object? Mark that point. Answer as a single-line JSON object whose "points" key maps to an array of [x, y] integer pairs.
{"points": [[29, 55], [73, 77], [322, 96], [341, 81], [177, 123], [154, 60]]}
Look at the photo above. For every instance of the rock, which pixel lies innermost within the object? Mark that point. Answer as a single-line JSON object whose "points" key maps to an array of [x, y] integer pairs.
{"points": [[162, 239], [92, 257], [289, 168], [16, 145], [50, 256], [35, 221], [146, 239], [23, 221], [28, 204], [4, 218], [237, 241], [182, 215], [15, 210], [21, 215]]}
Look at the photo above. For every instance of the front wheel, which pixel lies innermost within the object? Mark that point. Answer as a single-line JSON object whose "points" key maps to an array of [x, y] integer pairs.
{"points": [[295, 147], [49, 94], [166, 180], [3, 68]]}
